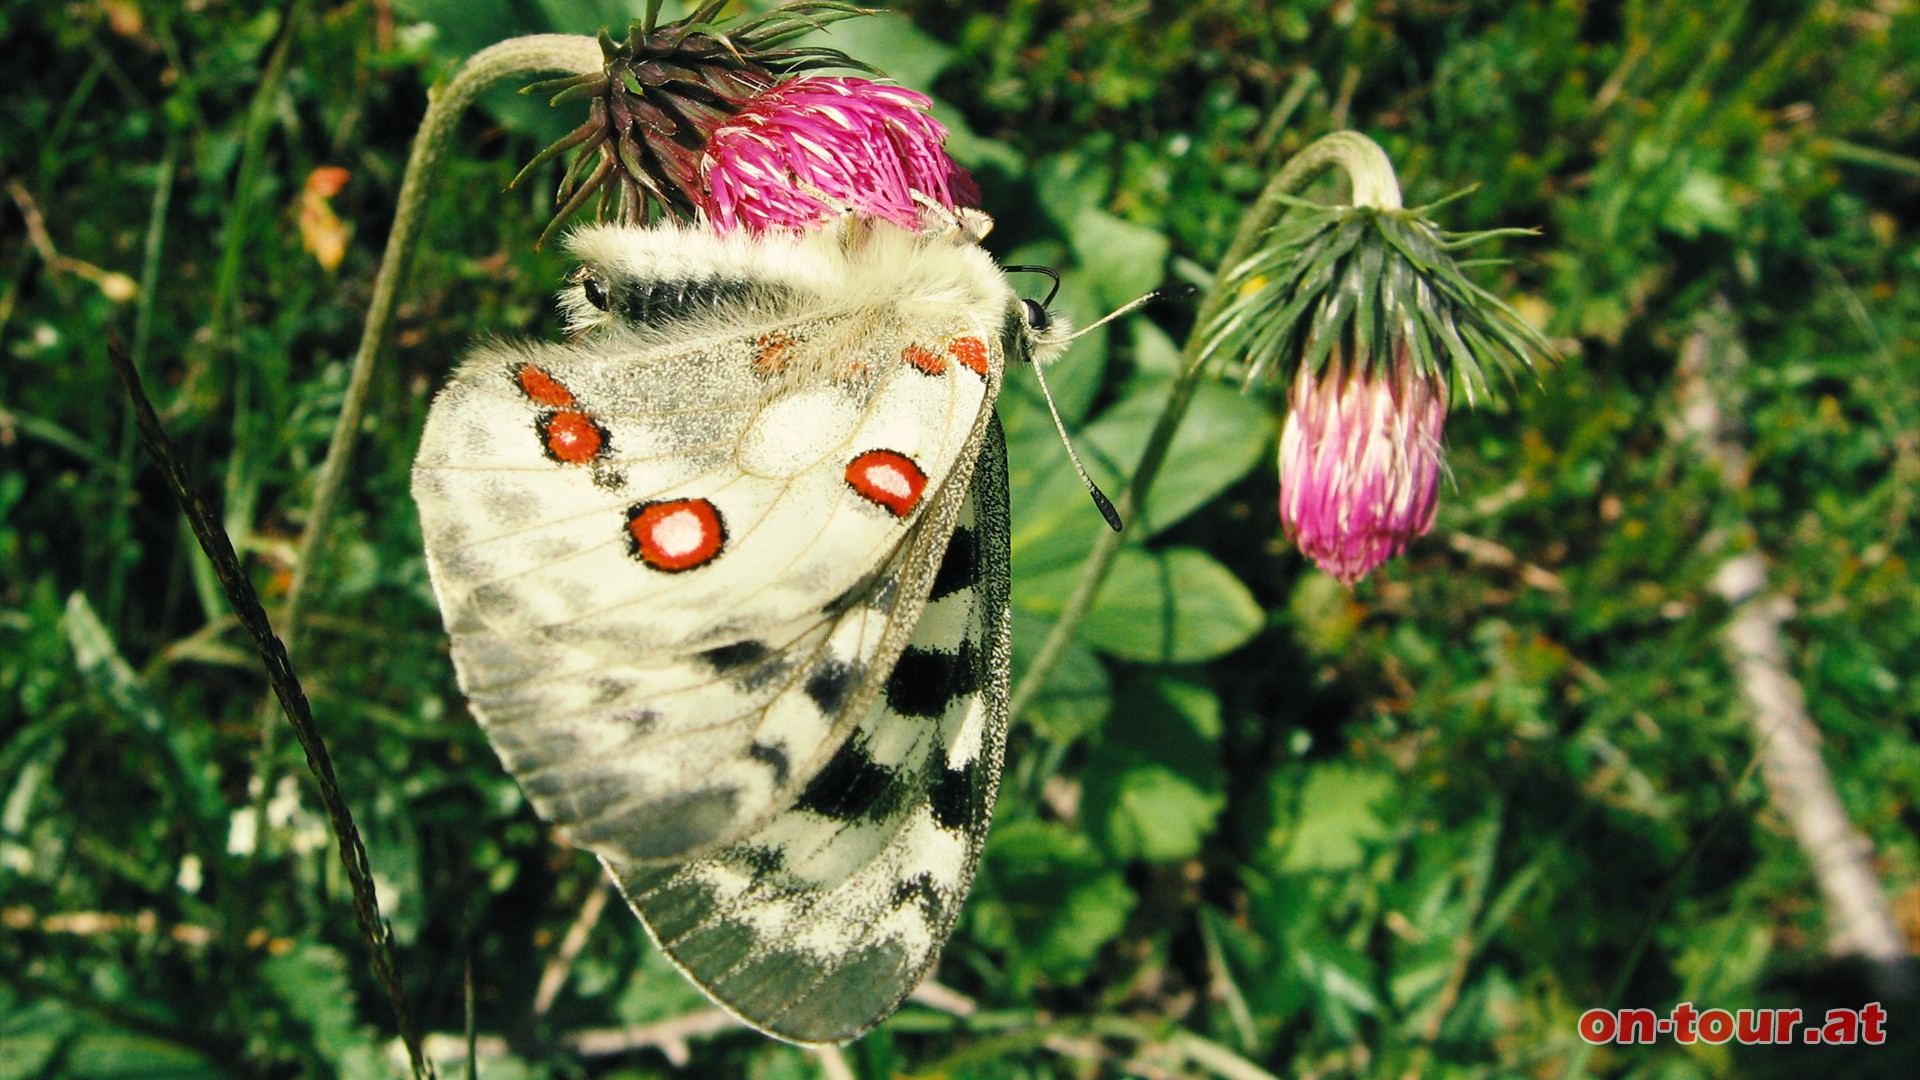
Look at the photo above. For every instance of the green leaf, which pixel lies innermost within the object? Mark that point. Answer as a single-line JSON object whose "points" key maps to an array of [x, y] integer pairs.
{"points": [[1050, 902], [1336, 815], [30, 1037], [1224, 437], [1177, 606], [97, 656], [1155, 786], [1702, 204], [1077, 695], [123, 1055], [1155, 354], [1154, 814], [1131, 259], [311, 981], [1340, 975]]}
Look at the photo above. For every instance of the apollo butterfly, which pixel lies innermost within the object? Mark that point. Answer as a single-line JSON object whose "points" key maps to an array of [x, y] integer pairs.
{"points": [[726, 577]]}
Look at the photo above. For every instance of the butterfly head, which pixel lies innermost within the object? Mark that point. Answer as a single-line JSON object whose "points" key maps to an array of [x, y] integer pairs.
{"points": [[1035, 332]]}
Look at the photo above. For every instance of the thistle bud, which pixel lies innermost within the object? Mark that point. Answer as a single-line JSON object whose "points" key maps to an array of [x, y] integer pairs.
{"points": [[1363, 313], [1360, 462]]}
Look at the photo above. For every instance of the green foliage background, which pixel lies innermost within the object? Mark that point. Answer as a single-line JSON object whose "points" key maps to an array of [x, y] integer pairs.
{"points": [[1410, 830]]}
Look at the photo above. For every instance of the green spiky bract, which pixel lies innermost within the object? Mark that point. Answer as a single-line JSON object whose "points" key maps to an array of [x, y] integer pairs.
{"points": [[1361, 279], [661, 93]]}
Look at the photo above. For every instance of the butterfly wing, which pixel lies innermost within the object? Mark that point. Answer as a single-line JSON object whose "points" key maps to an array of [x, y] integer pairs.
{"points": [[675, 574], [820, 923]]}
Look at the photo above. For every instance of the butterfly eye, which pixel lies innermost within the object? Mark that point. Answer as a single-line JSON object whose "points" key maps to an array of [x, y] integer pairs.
{"points": [[1037, 318], [596, 292]]}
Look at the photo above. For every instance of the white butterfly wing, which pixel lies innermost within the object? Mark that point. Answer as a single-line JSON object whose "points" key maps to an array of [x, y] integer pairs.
{"points": [[822, 921], [671, 572]]}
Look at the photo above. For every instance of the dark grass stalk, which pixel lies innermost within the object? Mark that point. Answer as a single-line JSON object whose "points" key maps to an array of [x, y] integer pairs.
{"points": [[286, 687]]}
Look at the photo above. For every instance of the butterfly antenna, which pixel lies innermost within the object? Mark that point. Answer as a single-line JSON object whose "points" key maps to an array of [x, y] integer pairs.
{"points": [[1099, 497], [1165, 292], [1051, 274]]}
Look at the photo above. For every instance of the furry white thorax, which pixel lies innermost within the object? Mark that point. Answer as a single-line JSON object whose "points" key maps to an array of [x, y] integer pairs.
{"points": [[851, 268]]}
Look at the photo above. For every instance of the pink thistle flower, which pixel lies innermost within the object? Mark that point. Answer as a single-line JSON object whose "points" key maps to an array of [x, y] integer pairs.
{"points": [[1360, 462], [869, 145]]}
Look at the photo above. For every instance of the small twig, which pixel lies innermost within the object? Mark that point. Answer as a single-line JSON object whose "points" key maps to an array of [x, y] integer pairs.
{"points": [[833, 1064], [554, 977], [286, 686], [94, 923], [1487, 553], [670, 1037], [112, 284], [1786, 742], [944, 999]]}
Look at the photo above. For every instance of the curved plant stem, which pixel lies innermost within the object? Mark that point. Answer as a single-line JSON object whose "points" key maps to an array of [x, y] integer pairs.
{"points": [[516, 58], [1372, 180]]}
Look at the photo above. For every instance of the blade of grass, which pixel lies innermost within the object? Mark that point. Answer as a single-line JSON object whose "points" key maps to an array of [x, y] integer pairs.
{"points": [[286, 687]]}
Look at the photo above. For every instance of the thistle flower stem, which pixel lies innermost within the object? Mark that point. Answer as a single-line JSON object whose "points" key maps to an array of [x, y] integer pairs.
{"points": [[1372, 179], [515, 58]]}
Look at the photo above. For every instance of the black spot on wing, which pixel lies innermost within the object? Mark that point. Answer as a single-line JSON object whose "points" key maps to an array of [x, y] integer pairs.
{"points": [[829, 684], [773, 757], [760, 860], [919, 890], [852, 786], [926, 681], [955, 799], [959, 567], [856, 594], [876, 591], [735, 656], [641, 720], [749, 663]]}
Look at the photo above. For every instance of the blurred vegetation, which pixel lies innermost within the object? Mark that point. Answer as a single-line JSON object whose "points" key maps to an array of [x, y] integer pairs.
{"points": [[1414, 829]]}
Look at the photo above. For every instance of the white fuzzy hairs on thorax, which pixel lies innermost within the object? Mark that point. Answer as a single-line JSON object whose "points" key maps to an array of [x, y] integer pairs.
{"points": [[853, 267]]}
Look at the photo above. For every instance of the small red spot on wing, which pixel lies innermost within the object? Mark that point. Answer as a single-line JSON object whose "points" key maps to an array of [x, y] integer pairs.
{"points": [[572, 437], [971, 352], [542, 388], [774, 353], [924, 359], [887, 479], [676, 534]]}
